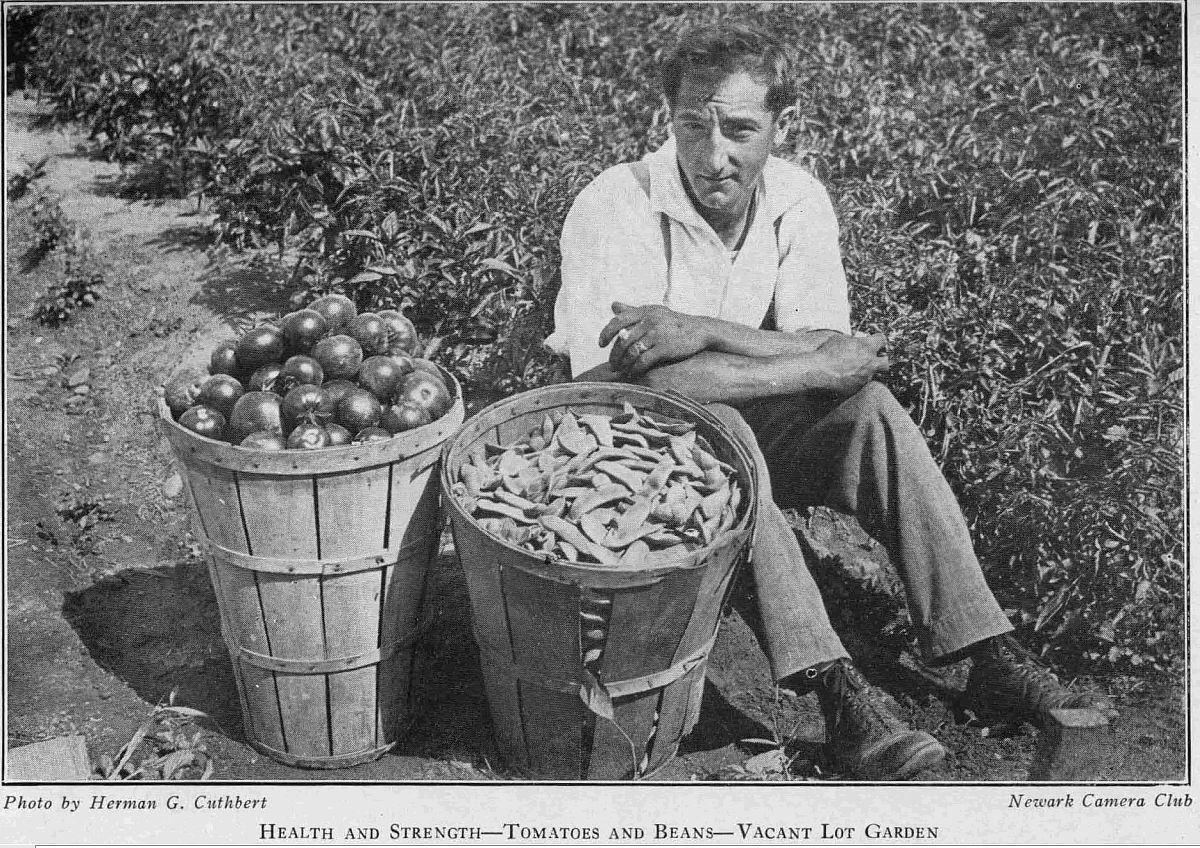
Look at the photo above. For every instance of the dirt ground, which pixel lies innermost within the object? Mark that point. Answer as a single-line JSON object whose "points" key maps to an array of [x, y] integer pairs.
{"points": [[109, 607]]}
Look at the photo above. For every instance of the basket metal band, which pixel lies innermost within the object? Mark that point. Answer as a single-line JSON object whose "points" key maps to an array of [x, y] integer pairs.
{"points": [[315, 762], [616, 688], [299, 666], [324, 567]]}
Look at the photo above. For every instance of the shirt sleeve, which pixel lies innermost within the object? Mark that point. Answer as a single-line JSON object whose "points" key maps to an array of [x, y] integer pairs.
{"points": [[810, 289], [605, 257]]}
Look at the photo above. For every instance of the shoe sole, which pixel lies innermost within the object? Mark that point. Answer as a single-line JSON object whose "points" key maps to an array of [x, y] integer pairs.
{"points": [[994, 718], [901, 757]]}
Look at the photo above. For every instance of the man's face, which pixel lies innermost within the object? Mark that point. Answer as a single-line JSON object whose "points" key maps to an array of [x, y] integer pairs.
{"points": [[723, 134]]}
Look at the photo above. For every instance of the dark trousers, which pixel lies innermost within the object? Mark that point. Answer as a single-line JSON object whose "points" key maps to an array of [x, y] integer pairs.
{"points": [[864, 456]]}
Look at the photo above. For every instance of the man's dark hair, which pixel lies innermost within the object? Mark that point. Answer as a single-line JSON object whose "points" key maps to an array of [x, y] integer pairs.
{"points": [[730, 48]]}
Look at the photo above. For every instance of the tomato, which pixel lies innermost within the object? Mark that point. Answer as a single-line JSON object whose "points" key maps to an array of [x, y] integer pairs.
{"points": [[265, 440], [299, 405], [181, 391], [338, 435], [224, 359], [336, 309], [299, 370], [266, 379], [302, 329], [258, 347], [369, 330], [339, 356], [426, 390], [357, 410], [402, 335], [380, 375], [308, 436], [405, 416], [404, 361], [371, 434], [204, 421], [334, 391], [254, 411], [221, 392]]}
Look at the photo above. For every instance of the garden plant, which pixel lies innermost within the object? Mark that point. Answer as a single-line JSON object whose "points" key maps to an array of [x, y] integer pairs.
{"points": [[1008, 180]]}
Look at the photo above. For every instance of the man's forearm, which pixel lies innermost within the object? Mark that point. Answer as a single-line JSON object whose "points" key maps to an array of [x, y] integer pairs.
{"points": [[729, 337], [602, 373], [714, 376]]}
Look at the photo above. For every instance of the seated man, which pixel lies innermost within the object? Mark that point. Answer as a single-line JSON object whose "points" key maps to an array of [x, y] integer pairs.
{"points": [[712, 268]]}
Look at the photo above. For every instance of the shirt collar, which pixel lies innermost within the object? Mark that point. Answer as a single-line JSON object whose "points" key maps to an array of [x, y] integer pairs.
{"points": [[779, 187]]}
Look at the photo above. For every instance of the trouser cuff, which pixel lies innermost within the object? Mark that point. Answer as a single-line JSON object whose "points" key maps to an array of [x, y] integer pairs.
{"points": [[796, 663], [945, 639]]}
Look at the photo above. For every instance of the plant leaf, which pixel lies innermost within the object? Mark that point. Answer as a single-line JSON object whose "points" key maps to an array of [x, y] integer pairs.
{"points": [[175, 761], [184, 711], [595, 696], [500, 265]]}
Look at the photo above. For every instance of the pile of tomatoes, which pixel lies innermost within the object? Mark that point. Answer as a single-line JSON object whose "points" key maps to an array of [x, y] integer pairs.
{"points": [[325, 376]]}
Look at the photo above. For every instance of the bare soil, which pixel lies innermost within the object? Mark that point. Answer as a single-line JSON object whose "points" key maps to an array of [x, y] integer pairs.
{"points": [[109, 607]]}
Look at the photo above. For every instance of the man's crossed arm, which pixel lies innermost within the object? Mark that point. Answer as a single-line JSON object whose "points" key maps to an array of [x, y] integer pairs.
{"points": [[709, 359]]}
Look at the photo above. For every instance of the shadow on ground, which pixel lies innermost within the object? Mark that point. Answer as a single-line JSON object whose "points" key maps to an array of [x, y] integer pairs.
{"points": [[244, 295], [183, 239], [155, 183], [158, 630]]}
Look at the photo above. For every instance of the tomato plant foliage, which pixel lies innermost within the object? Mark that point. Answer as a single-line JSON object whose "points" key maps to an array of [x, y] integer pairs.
{"points": [[1008, 179]]}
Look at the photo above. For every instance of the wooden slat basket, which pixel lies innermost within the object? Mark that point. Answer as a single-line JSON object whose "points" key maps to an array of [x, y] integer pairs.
{"points": [[318, 561], [526, 611]]}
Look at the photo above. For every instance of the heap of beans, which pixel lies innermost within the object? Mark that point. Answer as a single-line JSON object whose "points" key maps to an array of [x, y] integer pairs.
{"points": [[626, 490]]}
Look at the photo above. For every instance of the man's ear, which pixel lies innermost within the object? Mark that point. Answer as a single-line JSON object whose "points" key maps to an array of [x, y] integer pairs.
{"points": [[783, 123]]}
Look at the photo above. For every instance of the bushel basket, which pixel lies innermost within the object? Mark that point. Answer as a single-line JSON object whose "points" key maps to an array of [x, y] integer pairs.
{"points": [[624, 715], [318, 561]]}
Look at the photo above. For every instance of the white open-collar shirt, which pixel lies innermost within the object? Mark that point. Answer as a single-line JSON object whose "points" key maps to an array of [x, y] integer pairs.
{"points": [[613, 249]]}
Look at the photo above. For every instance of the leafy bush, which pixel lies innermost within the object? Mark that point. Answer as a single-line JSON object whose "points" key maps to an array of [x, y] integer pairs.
{"points": [[20, 181], [1008, 179], [20, 23], [81, 286], [82, 283], [50, 226]]}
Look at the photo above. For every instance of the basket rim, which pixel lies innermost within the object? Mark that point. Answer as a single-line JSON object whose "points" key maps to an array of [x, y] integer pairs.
{"points": [[189, 446], [555, 568]]}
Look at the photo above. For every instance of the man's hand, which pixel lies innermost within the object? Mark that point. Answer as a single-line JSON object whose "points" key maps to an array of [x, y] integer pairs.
{"points": [[854, 360], [647, 336]]}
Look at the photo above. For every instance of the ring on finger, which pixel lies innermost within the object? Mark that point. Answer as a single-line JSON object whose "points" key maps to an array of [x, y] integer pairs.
{"points": [[637, 349]]}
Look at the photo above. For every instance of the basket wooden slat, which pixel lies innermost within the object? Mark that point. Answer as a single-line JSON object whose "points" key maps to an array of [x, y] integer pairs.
{"points": [[414, 523], [610, 755], [351, 606], [490, 622], [543, 623], [651, 621], [243, 613], [526, 611], [280, 516], [292, 606], [318, 561], [403, 586], [222, 593], [680, 707], [540, 612], [504, 702], [711, 596], [214, 492], [353, 507]]}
